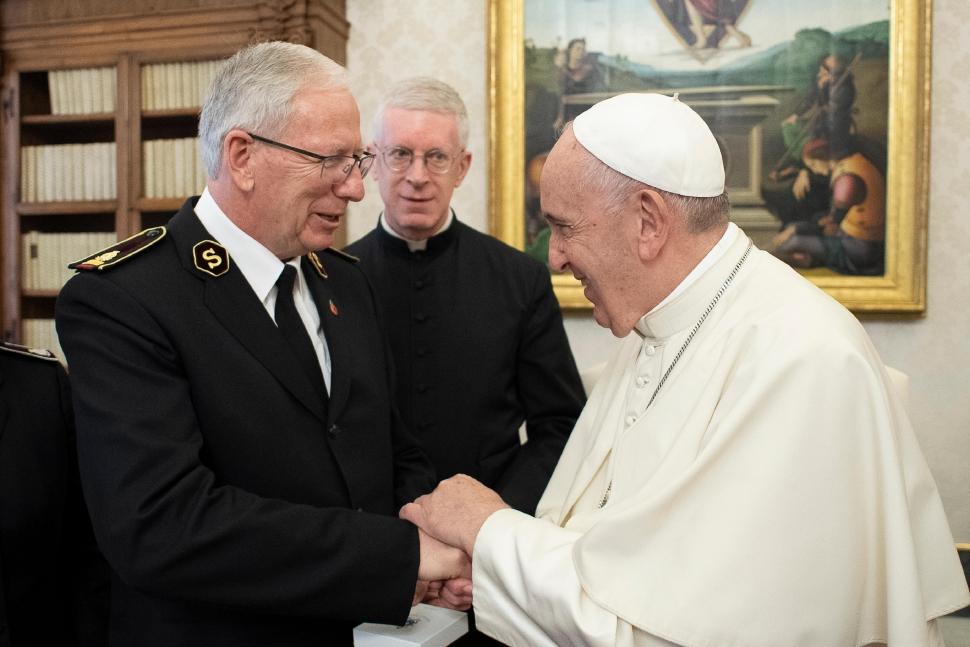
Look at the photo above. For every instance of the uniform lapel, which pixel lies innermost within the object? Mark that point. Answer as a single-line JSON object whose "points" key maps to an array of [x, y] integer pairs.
{"points": [[338, 330], [234, 304]]}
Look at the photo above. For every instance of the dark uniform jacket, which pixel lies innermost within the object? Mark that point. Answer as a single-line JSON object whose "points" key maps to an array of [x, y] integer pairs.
{"points": [[234, 507], [53, 581], [479, 347]]}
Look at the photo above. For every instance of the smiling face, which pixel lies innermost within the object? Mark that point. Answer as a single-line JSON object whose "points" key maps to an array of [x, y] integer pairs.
{"points": [[296, 206], [599, 248], [416, 200]]}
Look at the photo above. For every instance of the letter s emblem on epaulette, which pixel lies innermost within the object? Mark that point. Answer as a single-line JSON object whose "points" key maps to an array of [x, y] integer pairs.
{"points": [[210, 257]]}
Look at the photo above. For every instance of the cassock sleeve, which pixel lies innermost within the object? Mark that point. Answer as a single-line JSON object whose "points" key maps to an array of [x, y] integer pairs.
{"points": [[551, 393], [166, 523], [527, 591]]}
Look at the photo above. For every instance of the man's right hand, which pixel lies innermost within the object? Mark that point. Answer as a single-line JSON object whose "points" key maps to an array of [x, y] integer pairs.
{"points": [[440, 561], [439, 564]]}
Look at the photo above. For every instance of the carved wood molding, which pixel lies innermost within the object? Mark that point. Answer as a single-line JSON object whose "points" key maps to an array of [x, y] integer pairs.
{"points": [[282, 20]]}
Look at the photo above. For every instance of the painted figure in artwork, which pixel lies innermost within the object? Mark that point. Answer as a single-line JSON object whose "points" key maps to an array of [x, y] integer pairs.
{"points": [[848, 237], [706, 24], [579, 72]]}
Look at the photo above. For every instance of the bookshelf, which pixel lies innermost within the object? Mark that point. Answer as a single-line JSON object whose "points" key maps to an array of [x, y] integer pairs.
{"points": [[100, 106]]}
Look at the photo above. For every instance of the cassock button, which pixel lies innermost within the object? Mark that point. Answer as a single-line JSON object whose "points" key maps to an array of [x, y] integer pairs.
{"points": [[419, 284], [630, 420], [642, 381], [422, 351], [650, 350], [420, 318], [334, 431], [422, 388]]}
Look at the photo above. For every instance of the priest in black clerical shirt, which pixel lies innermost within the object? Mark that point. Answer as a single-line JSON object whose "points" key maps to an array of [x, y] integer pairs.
{"points": [[475, 329]]}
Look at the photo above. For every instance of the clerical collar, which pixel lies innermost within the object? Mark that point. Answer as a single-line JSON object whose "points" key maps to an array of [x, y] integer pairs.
{"points": [[717, 252], [417, 245]]}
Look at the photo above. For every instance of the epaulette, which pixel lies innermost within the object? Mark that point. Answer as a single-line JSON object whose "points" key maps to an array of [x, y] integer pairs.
{"points": [[120, 251], [343, 255], [34, 353]]}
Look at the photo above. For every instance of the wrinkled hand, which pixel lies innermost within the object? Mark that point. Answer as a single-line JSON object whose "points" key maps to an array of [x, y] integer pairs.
{"points": [[455, 511]]}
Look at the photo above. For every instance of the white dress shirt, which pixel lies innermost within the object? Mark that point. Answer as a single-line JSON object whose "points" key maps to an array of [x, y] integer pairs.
{"points": [[261, 269]]}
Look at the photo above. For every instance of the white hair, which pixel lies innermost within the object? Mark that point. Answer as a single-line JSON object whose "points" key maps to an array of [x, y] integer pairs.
{"points": [[700, 214], [428, 94], [254, 89]]}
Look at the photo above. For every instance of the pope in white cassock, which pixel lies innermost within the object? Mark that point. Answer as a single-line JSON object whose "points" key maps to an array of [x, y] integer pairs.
{"points": [[743, 473]]}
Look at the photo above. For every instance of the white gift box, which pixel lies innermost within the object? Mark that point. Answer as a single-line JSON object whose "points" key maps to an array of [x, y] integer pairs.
{"points": [[426, 626]]}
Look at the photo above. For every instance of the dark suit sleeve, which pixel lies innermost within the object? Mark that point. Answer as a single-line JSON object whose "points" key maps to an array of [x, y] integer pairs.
{"points": [[166, 523], [87, 575], [551, 393]]}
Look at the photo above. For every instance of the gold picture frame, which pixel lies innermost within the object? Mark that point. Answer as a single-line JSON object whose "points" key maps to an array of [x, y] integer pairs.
{"points": [[900, 289]]}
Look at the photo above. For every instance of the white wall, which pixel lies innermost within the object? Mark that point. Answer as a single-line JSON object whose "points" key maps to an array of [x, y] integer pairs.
{"points": [[391, 40]]}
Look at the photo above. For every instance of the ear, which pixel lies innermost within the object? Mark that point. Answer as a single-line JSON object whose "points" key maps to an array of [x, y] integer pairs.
{"points": [[237, 159], [464, 162], [654, 220]]}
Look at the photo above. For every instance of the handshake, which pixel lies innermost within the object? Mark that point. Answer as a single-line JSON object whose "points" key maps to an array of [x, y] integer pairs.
{"points": [[448, 522]]}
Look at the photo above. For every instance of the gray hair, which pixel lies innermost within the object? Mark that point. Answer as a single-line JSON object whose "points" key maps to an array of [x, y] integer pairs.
{"points": [[428, 94], [253, 91], [700, 214]]}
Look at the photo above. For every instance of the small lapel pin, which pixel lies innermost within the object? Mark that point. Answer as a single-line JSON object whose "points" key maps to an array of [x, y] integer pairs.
{"points": [[333, 308], [210, 257]]}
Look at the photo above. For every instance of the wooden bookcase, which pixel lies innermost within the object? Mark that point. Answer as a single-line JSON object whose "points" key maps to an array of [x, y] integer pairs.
{"points": [[37, 37]]}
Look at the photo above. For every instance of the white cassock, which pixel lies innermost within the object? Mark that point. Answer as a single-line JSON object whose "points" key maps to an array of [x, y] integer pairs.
{"points": [[773, 493]]}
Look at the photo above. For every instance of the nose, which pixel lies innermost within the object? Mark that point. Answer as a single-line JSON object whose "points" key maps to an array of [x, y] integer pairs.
{"points": [[557, 259], [417, 172], [352, 187]]}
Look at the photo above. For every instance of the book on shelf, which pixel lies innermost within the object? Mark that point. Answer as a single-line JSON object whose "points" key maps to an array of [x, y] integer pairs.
{"points": [[68, 172], [172, 168], [46, 255], [182, 84], [91, 90]]}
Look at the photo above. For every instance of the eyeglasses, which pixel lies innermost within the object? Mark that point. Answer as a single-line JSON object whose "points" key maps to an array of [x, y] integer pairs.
{"points": [[399, 159], [343, 163]]}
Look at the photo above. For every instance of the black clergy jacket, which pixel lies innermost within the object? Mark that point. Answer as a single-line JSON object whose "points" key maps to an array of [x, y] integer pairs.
{"points": [[53, 581], [233, 505], [479, 347]]}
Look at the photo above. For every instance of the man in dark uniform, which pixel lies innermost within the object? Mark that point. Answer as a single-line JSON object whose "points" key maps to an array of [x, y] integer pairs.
{"points": [[53, 580], [239, 446], [477, 336]]}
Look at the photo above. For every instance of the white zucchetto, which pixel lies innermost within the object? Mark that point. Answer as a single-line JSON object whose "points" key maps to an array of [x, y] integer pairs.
{"points": [[655, 139]]}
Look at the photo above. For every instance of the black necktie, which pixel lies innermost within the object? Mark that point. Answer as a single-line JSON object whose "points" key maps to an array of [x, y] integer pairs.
{"points": [[289, 322]]}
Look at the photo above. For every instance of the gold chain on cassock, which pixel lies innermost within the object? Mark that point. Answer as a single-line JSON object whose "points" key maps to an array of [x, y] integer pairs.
{"points": [[697, 326]]}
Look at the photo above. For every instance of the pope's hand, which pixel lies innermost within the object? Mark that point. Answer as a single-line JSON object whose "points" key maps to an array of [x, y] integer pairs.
{"points": [[455, 511]]}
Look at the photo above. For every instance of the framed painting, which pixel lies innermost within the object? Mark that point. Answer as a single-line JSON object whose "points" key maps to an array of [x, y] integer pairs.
{"points": [[821, 110]]}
